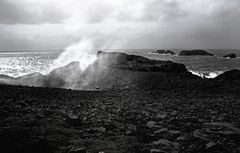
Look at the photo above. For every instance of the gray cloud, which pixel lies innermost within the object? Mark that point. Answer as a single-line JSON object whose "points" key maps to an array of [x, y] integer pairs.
{"points": [[167, 10], [17, 13], [120, 23]]}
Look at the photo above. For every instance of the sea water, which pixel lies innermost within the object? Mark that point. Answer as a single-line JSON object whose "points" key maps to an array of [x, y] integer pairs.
{"points": [[17, 64]]}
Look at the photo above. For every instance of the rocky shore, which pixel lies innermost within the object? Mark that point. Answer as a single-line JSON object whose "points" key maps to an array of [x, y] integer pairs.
{"points": [[130, 108]]}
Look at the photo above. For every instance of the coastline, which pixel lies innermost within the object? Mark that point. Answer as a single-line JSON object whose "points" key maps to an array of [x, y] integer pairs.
{"points": [[143, 111]]}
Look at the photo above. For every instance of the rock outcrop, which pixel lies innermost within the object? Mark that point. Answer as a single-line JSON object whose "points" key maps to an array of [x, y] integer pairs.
{"points": [[229, 75], [232, 55], [138, 63], [195, 53], [164, 52]]}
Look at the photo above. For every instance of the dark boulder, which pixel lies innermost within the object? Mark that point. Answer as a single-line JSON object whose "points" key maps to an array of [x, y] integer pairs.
{"points": [[229, 75], [164, 52], [232, 55], [138, 63], [198, 52]]}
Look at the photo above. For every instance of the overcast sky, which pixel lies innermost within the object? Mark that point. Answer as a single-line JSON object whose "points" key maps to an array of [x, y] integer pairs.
{"points": [[55, 24]]}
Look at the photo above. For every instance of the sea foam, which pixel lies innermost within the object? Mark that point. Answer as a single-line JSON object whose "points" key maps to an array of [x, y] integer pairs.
{"points": [[208, 75]]}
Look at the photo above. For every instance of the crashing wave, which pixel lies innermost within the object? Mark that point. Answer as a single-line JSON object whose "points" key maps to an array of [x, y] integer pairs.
{"points": [[208, 75]]}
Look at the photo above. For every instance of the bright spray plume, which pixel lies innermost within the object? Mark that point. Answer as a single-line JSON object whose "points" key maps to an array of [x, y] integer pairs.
{"points": [[82, 52], [69, 68]]}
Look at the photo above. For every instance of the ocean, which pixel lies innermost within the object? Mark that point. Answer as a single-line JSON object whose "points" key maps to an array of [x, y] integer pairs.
{"points": [[16, 64]]}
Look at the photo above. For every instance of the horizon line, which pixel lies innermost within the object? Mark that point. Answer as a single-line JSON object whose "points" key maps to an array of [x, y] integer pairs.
{"points": [[58, 50]]}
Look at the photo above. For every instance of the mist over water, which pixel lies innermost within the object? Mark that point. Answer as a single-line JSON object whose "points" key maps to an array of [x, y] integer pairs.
{"points": [[82, 52]]}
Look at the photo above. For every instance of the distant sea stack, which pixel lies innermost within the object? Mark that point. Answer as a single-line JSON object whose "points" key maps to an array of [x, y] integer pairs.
{"points": [[232, 55], [198, 52], [164, 52]]}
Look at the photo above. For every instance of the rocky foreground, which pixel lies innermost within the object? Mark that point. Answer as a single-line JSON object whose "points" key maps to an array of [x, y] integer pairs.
{"points": [[133, 111]]}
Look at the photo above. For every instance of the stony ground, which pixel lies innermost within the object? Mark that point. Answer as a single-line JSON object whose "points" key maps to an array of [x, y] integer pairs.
{"points": [[152, 112]]}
